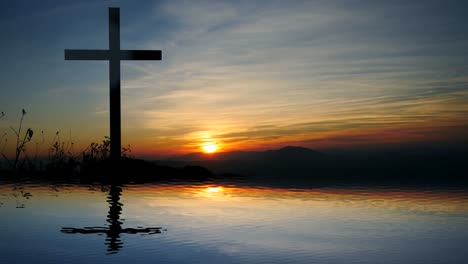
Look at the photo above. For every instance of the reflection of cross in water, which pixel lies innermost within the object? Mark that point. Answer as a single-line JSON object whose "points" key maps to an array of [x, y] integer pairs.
{"points": [[114, 230]]}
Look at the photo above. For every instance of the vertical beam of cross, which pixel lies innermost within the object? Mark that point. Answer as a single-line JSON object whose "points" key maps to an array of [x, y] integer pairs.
{"points": [[114, 81], [114, 55]]}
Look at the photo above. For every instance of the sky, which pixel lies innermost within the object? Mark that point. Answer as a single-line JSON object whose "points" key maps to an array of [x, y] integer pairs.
{"points": [[244, 75]]}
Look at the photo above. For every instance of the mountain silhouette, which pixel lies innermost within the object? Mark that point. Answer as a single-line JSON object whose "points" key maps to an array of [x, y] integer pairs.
{"points": [[285, 153], [290, 160], [301, 165], [291, 153]]}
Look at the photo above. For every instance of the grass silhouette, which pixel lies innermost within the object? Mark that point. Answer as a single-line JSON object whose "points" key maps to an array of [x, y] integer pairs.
{"points": [[91, 164], [21, 140]]}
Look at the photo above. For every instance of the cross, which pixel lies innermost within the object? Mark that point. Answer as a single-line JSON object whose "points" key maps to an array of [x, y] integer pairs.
{"points": [[114, 55], [113, 241]]}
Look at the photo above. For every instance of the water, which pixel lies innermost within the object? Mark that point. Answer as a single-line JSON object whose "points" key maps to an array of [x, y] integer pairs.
{"points": [[227, 224]]}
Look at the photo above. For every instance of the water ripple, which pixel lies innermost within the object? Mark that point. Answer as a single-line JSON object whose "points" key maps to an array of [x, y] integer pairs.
{"points": [[213, 223]]}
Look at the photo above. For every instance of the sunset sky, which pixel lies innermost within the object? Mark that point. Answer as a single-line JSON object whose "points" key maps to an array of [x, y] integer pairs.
{"points": [[245, 75]]}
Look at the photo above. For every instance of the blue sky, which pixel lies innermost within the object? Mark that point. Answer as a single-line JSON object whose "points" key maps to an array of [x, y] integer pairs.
{"points": [[242, 74]]}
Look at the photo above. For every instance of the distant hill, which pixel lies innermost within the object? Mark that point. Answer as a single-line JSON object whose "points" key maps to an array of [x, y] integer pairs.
{"points": [[287, 153], [293, 154], [290, 160], [301, 164]]}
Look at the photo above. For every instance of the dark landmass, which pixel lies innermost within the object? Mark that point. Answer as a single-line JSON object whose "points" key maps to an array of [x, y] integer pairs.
{"points": [[299, 161], [288, 167], [126, 170], [297, 166]]}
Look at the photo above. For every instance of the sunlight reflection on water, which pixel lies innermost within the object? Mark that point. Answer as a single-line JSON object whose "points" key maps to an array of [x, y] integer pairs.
{"points": [[230, 224]]}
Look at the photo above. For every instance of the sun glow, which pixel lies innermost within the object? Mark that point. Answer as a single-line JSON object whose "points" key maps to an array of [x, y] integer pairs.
{"points": [[214, 189], [210, 147]]}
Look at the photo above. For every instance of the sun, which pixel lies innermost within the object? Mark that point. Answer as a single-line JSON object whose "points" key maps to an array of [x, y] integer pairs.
{"points": [[210, 147], [214, 189]]}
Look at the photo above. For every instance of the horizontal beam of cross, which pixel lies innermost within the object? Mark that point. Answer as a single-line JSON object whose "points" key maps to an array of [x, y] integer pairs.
{"points": [[82, 54], [106, 230]]}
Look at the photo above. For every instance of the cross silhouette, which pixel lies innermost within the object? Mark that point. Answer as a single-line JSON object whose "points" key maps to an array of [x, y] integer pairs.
{"points": [[114, 55], [113, 232]]}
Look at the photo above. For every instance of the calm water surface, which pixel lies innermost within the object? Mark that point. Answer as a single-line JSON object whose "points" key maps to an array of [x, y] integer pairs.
{"points": [[227, 224]]}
